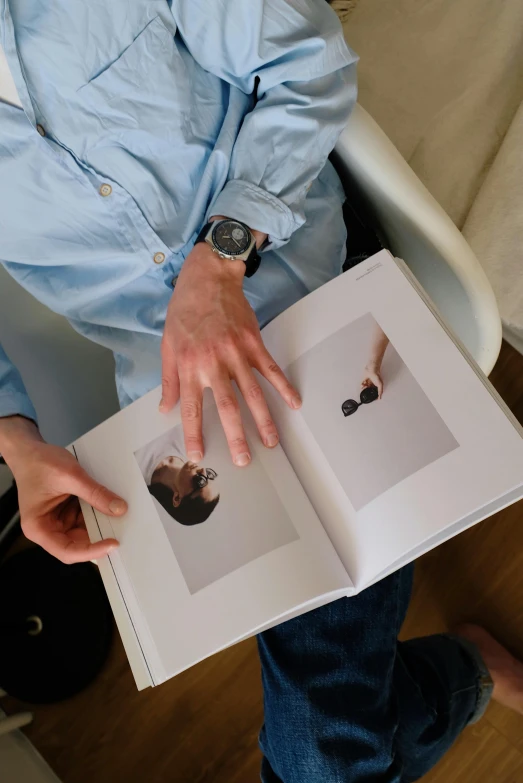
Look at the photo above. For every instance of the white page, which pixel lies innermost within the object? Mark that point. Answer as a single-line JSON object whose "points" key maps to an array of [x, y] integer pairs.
{"points": [[135, 654], [402, 469], [192, 590], [472, 519]]}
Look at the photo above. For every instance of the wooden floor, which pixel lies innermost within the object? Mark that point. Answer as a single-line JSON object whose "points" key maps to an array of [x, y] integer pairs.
{"points": [[202, 726]]}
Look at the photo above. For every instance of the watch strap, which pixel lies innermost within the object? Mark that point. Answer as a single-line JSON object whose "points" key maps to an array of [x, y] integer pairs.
{"points": [[202, 236], [252, 264]]}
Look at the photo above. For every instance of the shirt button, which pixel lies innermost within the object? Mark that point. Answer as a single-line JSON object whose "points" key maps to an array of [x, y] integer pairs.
{"points": [[174, 281], [105, 190], [159, 258], [41, 130]]}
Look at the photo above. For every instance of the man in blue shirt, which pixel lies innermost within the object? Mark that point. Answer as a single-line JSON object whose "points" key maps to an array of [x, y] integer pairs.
{"points": [[138, 126]]}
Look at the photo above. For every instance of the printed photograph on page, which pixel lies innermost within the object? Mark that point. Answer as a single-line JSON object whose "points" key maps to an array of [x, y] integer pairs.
{"points": [[370, 417], [217, 517]]}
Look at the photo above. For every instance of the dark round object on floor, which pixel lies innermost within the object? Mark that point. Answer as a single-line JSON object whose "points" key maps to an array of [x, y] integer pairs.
{"points": [[56, 626]]}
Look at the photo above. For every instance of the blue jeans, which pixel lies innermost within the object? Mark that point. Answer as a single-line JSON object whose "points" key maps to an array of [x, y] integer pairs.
{"points": [[345, 702]]}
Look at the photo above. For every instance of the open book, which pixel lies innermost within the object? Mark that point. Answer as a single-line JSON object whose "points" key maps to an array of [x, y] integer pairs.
{"points": [[360, 485]]}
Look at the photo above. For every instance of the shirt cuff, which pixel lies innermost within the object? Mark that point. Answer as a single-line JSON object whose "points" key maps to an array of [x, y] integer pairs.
{"points": [[16, 404], [258, 209]]}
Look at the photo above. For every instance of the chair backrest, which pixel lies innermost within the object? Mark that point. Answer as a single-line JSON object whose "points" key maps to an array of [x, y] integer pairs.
{"points": [[8, 91], [70, 380], [420, 232]]}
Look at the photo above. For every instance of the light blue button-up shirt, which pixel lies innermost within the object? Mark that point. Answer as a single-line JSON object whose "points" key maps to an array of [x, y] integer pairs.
{"points": [[140, 120]]}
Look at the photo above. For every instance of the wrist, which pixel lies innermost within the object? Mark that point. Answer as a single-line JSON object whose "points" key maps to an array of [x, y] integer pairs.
{"points": [[260, 238], [202, 256], [17, 434]]}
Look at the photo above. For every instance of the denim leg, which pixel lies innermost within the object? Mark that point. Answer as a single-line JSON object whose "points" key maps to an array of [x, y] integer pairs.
{"points": [[345, 703], [330, 714], [441, 684]]}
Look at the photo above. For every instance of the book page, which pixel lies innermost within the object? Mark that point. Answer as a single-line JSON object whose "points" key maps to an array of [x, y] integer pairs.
{"points": [[398, 438], [208, 553]]}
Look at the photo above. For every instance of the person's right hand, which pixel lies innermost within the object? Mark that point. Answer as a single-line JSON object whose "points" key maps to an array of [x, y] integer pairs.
{"points": [[372, 377], [49, 482], [212, 337]]}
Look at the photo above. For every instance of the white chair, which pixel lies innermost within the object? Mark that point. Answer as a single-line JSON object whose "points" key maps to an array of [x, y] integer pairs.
{"points": [[71, 380], [418, 230]]}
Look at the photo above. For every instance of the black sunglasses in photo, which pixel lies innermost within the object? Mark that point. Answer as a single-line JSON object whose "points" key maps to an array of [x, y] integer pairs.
{"points": [[369, 394], [200, 480]]}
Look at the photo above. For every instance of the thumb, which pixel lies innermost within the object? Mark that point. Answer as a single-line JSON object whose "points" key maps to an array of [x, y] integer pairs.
{"points": [[61, 546], [98, 496]]}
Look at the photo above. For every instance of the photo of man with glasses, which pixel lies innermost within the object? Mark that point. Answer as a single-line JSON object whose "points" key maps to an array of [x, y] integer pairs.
{"points": [[185, 490]]}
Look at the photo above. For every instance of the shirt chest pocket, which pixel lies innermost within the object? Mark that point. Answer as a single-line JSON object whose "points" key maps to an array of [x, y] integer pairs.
{"points": [[144, 93]]}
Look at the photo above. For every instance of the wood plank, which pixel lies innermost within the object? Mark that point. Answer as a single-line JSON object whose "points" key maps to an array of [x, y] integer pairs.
{"points": [[481, 755], [200, 726], [507, 723]]}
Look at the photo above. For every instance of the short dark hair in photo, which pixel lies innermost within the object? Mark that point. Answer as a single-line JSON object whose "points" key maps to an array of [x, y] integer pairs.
{"points": [[192, 510]]}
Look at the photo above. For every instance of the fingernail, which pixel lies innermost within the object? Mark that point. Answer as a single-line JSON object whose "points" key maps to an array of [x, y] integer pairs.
{"points": [[161, 406], [296, 402], [271, 440], [242, 459], [112, 548], [195, 456], [117, 506]]}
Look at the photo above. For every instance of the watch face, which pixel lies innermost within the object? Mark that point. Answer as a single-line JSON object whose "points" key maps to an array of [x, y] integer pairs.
{"points": [[231, 238]]}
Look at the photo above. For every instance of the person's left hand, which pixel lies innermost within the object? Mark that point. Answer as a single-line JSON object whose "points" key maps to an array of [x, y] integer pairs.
{"points": [[372, 377], [211, 336]]}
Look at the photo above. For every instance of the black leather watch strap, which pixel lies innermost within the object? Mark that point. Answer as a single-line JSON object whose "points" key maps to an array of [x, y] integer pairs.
{"points": [[253, 262], [203, 233]]}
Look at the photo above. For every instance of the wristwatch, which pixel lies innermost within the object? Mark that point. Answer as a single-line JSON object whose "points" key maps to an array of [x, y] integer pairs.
{"points": [[232, 241]]}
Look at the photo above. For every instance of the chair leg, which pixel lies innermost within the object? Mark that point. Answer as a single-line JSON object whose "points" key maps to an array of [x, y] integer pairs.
{"points": [[14, 722]]}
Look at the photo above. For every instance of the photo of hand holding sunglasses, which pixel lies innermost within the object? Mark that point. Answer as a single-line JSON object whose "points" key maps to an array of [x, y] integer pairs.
{"points": [[372, 382]]}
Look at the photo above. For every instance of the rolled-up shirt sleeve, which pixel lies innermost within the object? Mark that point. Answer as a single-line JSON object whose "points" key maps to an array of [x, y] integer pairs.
{"points": [[294, 54], [14, 399]]}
